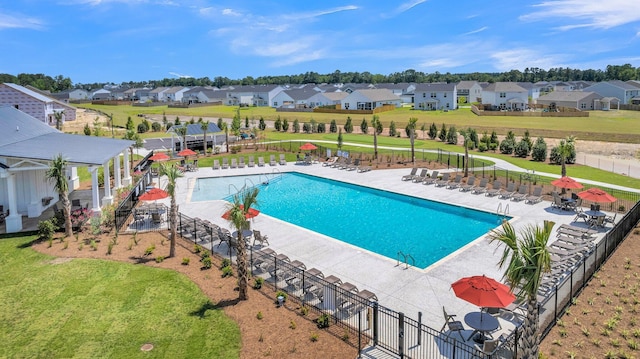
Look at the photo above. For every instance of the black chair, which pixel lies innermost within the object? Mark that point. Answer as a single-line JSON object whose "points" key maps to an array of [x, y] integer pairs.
{"points": [[454, 325]]}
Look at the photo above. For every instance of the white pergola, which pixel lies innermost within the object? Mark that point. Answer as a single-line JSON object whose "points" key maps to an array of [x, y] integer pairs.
{"points": [[26, 151]]}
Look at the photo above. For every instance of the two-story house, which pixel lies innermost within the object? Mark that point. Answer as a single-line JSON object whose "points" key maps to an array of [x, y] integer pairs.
{"points": [[35, 104], [505, 96], [435, 96]]}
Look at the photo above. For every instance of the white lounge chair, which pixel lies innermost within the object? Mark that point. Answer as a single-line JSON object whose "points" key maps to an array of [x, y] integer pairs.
{"points": [[272, 160], [260, 161], [251, 161], [283, 161], [216, 164]]}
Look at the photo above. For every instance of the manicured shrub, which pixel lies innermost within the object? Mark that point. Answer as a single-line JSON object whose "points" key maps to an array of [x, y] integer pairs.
{"points": [[539, 150], [522, 149]]}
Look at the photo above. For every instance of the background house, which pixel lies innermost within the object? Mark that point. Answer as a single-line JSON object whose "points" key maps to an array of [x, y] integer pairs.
{"points": [[616, 88], [435, 96], [327, 99], [581, 100], [505, 96], [370, 99], [470, 90], [35, 104]]}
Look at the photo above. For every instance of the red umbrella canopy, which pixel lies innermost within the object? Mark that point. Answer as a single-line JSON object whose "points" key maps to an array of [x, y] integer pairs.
{"points": [[483, 292], [160, 156], [308, 147], [187, 152], [153, 194], [252, 212], [597, 195], [567, 182]]}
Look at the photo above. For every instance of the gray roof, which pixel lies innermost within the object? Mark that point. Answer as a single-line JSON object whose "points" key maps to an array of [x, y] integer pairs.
{"points": [[378, 94], [335, 96], [300, 94], [465, 85], [434, 87], [34, 94], [505, 87], [195, 129], [560, 96], [27, 137]]}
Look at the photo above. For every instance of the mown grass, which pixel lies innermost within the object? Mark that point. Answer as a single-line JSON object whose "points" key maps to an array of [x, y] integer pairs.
{"points": [[612, 126], [100, 309]]}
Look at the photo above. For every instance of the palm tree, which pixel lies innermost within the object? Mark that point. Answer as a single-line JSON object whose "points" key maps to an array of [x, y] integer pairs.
{"points": [[375, 123], [565, 149], [205, 126], [526, 258], [58, 176], [58, 116], [465, 135], [225, 128], [172, 174], [182, 132], [412, 134], [238, 210]]}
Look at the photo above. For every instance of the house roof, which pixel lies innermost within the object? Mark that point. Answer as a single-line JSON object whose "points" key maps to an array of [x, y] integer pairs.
{"points": [[465, 85], [28, 138], [31, 93], [434, 87], [563, 96], [300, 94], [378, 94], [504, 87], [335, 96]]}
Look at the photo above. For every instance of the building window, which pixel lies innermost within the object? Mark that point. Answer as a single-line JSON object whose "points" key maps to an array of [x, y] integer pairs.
{"points": [[445, 95], [424, 94], [447, 105], [275, 103], [433, 95], [503, 94], [583, 105]]}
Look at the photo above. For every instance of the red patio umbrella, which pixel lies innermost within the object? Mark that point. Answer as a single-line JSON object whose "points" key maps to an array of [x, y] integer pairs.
{"points": [[250, 214], [483, 292], [160, 156], [153, 195], [308, 147], [187, 152], [567, 182], [597, 195]]}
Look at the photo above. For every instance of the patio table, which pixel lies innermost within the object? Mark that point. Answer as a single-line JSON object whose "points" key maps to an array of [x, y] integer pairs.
{"points": [[482, 323]]}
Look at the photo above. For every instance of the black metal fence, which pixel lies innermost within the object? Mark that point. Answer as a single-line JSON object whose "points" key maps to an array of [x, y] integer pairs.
{"points": [[125, 207], [554, 306], [353, 315]]}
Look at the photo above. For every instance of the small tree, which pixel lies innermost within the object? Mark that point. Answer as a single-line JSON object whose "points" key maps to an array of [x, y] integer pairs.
{"points": [[278, 124], [296, 126], [348, 126], [57, 174], [177, 121], [87, 129], [494, 138], [466, 139], [262, 125], [379, 128], [339, 138], [423, 128], [246, 122], [172, 173], [204, 126], [411, 132], [443, 133], [539, 150], [58, 116], [392, 129], [285, 125], [507, 146], [130, 125], [452, 135], [521, 149], [220, 123], [333, 127], [375, 122], [182, 132], [321, 127], [236, 123], [364, 126], [306, 127], [433, 131]]}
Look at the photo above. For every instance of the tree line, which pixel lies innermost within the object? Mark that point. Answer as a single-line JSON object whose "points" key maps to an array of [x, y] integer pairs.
{"points": [[530, 74]]}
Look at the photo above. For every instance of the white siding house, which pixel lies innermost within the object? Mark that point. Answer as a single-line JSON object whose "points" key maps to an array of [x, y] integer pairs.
{"points": [[616, 88], [505, 96], [435, 96], [470, 90], [581, 100], [370, 99], [327, 99]]}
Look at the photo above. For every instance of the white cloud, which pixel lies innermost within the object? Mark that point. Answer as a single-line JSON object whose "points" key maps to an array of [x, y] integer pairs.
{"points": [[408, 5], [230, 12], [476, 31], [587, 13], [20, 22], [520, 58], [313, 14], [180, 75]]}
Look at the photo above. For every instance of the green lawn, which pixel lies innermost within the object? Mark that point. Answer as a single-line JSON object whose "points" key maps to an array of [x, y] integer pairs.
{"points": [[99, 309], [615, 126]]}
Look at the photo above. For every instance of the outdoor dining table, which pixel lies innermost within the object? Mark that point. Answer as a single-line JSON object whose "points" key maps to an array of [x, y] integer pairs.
{"points": [[246, 234], [594, 217], [481, 323]]}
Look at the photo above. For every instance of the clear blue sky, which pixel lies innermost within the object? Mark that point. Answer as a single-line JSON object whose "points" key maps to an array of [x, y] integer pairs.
{"points": [[136, 40]]}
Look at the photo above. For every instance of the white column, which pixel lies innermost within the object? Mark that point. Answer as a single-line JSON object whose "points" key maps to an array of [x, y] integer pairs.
{"points": [[116, 172], [95, 191], [127, 172], [108, 198], [14, 220], [74, 179]]}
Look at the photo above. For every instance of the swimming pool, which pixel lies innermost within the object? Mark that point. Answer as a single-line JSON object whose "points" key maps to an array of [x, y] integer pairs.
{"points": [[379, 221]]}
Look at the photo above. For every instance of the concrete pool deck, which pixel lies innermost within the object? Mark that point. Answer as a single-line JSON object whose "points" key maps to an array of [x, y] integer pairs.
{"points": [[405, 290]]}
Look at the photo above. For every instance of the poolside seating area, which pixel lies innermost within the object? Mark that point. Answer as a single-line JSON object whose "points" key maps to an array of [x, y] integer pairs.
{"points": [[347, 164], [326, 293], [239, 162]]}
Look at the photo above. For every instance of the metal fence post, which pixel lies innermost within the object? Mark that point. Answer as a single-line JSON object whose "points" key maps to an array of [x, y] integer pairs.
{"points": [[401, 334], [359, 333], [375, 323], [419, 328]]}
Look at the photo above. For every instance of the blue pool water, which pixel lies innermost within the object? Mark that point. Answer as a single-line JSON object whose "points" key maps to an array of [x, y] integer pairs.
{"points": [[379, 221]]}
